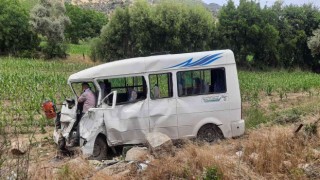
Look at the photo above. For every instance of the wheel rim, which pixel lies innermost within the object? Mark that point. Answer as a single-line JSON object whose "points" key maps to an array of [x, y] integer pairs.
{"points": [[209, 134]]}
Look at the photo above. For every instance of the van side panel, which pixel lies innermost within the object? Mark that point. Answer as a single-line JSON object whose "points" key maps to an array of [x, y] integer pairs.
{"points": [[220, 109], [196, 111], [127, 124]]}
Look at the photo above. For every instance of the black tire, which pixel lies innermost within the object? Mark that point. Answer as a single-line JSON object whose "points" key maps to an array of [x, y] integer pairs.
{"points": [[210, 133], [62, 143], [100, 148]]}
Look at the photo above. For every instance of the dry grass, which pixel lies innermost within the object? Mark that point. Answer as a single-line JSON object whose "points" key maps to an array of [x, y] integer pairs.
{"points": [[268, 153], [77, 168], [275, 153]]}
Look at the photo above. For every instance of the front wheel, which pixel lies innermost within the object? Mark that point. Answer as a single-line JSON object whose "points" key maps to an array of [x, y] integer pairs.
{"points": [[210, 133], [100, 148]]}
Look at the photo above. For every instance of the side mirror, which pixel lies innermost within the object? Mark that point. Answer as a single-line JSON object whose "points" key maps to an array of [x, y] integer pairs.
{"points": [[114, 99]]}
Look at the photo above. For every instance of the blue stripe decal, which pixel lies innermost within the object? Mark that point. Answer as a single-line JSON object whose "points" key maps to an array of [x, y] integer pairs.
{"points": [[182, 64], [206, 60], [211, 61]]}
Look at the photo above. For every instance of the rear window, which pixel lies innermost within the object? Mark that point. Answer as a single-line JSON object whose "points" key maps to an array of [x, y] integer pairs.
{"points": [[201, 82]]}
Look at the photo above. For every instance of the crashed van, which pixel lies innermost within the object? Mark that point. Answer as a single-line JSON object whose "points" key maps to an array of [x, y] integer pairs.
{"points": [[192, 95]]}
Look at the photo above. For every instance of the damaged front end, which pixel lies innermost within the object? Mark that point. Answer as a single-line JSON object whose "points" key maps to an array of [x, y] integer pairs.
{"points": [[66, 131]]}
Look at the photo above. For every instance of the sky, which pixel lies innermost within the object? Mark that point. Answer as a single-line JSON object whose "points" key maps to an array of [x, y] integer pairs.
{"points": [[269, 2]]}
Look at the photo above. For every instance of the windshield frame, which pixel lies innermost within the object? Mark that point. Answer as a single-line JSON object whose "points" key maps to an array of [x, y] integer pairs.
{"points": [[93, 82]]}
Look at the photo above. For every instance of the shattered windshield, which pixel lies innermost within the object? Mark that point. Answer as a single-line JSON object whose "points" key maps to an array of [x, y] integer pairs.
{"points": [[77, 87]]}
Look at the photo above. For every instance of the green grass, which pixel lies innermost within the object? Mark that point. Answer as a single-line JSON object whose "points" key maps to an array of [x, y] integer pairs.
{"points": [[79, 49]]}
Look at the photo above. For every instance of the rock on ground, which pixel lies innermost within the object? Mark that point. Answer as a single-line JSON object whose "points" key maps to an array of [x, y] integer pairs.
{"points": [[160, 145], [19, 146], [136, 154]]}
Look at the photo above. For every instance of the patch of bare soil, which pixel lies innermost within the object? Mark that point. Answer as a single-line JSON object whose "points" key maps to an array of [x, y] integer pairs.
{"points": [[6, 103], [76, 58]]}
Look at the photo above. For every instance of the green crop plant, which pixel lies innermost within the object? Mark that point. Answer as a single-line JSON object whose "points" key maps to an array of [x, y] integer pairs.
{"points": [[26, 83], [287, 82]]}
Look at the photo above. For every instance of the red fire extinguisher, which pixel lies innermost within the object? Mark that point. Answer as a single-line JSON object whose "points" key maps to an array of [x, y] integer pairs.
{"points": [[49, 109]]}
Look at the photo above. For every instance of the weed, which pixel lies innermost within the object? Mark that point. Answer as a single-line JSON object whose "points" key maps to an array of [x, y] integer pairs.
{"points": [[291, 116], [273, 106], [212, 173], [269, 90], [311, 129], [255, 117]]}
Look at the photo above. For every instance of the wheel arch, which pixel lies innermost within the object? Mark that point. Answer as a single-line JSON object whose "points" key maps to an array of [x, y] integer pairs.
{"points": [[87, 148], [204, 122]]}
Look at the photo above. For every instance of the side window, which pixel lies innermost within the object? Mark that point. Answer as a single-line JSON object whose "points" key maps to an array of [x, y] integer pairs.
{"points": [[200, 82], [105, 87], [129, 89], [160, 85]]}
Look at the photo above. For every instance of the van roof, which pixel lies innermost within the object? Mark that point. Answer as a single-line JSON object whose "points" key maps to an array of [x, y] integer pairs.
{"points": [[155, 63]]}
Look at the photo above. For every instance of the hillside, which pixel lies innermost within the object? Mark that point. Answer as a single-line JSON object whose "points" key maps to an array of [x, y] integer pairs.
{"points": [[107, 6]]}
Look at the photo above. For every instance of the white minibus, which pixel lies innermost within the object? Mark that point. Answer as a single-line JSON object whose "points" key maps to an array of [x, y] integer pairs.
{"points": [[191, 95]]}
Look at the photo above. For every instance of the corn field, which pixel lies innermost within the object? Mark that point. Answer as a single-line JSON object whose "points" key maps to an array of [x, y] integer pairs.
{"points": [[253, 85], [25, 84]]}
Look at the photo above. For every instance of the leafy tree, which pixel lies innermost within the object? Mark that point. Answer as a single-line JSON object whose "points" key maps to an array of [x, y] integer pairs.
{"points": [[84, 23], [142, 29], [114, 40], [16, 36], [274, 36], [49, 20]]}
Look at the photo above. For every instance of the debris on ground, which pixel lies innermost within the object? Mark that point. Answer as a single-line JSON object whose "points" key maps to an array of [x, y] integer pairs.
{"points": [[239, 153]]}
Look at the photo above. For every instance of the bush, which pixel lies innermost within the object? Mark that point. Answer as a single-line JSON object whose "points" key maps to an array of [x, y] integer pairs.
{"points": [[16, 37]]}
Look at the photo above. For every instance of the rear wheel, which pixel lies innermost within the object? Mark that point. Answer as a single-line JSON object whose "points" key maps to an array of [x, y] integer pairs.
{"points": [[210, 133], [100, 148]]}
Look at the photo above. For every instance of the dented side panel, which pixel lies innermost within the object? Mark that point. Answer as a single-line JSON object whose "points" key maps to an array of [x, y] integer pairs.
{"points": [[90, 124], [127, 124], [163, 116]]}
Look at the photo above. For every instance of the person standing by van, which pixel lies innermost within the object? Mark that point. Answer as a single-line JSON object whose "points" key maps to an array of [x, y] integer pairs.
{"points": [[87, 98]]}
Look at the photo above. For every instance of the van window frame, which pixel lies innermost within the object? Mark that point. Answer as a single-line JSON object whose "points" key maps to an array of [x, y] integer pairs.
{"points": [[171, 94], [186, 70], [118, 87]]}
